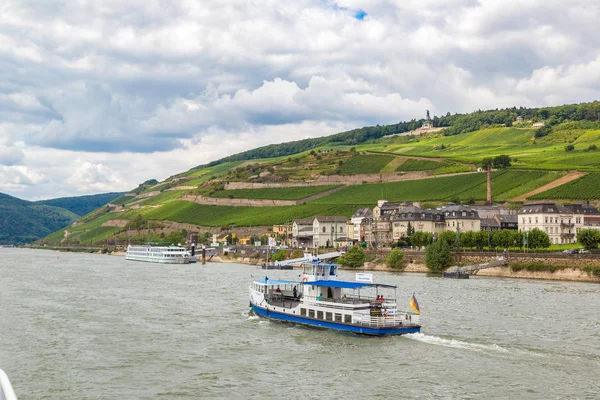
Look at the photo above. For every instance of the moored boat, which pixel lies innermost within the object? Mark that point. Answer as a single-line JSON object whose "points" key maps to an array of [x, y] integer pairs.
{"points": [[158, 254], [321, 300], [6, 390]]}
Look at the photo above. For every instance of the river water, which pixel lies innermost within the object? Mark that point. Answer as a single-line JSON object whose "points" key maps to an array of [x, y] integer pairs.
{"points": [[82, 326]]}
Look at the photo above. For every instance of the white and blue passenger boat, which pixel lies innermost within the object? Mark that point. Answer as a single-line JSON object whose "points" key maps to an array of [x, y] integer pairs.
{"points": [[321, 300]]}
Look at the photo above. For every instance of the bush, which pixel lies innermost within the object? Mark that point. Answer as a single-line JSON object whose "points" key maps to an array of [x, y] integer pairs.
{"points": [[354, 258], [543, 131], [279, 255], [394, 260], [592, 147], [569, 147], [437, 256]]}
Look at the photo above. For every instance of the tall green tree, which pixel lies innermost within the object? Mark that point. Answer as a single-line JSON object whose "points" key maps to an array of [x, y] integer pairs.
{"points": [[437, 256], [354, 258]]}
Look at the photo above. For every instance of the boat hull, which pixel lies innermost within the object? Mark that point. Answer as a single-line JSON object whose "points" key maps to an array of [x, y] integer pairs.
{"points": [[278, 316], [178, 260]]}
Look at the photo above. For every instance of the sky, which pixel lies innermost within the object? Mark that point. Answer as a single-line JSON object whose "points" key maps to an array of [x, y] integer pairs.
{"points": [[99, 96]]}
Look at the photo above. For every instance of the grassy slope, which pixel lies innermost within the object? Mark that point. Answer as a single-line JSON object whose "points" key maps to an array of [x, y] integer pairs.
{"points": [[506, 185], [585, 188], [365, 164], [205, 215], [547, 153], [419, 165], [289, 193]]}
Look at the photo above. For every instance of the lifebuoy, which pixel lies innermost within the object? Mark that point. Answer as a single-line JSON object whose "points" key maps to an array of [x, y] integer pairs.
{"points": [[305, 279]]}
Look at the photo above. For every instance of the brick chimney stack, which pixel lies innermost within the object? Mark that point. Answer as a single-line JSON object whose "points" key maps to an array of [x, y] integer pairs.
{"points": [[488, 201]]}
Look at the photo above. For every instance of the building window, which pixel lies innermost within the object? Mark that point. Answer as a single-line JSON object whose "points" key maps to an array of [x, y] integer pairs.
{"points": [[324, 230], [328, 316]]}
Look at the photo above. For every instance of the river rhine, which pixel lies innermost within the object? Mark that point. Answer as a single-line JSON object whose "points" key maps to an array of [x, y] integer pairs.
{"points": [[81, 326]]}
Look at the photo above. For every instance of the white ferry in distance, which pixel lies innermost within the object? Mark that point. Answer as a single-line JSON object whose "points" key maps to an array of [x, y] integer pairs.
{"points": [[322, 301], [158, 254]]}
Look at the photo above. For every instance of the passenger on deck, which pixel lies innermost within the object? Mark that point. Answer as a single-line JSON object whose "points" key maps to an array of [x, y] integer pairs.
{"points": [[381, 299], [295, 292], [278, 291], [320, 297]]}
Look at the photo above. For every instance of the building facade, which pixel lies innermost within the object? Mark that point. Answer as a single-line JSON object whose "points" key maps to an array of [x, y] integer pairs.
{"points": [[560, 223], [328, 229]]}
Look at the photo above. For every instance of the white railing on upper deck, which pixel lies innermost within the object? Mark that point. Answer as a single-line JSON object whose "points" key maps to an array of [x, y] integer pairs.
{"points": [[6, 389], [390, 320]]}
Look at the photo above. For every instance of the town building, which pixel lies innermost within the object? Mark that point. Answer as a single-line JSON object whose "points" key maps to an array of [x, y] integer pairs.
{"points": [[499, 222], [591, 215], [560, 223], [431, 221], [459, 217], [356, 220], [283, 233], [328, 229], [302, 233]]}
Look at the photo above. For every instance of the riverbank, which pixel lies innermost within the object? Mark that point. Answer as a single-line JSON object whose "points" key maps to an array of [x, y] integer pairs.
{"points": [[574, 274]]}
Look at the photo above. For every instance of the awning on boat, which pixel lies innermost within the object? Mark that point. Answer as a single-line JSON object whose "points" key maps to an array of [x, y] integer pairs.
{"points": [[346, 284], [270, 282]]}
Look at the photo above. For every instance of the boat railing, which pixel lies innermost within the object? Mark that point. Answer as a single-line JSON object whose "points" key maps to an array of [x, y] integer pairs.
{"points": [[389, 320], [6, 389]]}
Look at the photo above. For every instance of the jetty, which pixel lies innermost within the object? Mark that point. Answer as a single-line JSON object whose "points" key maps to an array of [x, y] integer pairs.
{"points": [[466, 271]]}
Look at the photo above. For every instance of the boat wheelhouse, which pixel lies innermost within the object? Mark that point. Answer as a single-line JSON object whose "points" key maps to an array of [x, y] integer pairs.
{"points": [[158, 254], [321, 300]]}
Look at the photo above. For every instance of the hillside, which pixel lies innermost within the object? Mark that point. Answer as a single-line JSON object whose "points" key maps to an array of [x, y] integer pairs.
{"points": [[23, 222], [82, 205], [340, 173]]}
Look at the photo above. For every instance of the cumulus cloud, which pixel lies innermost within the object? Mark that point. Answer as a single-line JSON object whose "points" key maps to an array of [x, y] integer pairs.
{"points": [[114, 83]]}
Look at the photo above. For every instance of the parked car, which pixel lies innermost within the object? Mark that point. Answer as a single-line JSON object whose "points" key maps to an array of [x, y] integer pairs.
{"points": [[583, 251], [570, 251]]}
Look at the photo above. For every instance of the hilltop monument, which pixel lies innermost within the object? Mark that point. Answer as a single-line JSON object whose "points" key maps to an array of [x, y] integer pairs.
{"points": [[427, 124]]}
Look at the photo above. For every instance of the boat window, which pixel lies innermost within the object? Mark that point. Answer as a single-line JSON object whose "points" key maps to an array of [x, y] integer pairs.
{"points": [[348, 319], [328, 316], [303, 311], [320, 314], [338, 317], [311, 313]]}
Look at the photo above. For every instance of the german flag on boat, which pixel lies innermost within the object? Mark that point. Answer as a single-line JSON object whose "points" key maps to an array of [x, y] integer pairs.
{"points": [[414, 305]]}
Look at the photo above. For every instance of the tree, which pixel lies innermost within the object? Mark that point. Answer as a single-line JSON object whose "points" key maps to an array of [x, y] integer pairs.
{"points": [[394, 260], [420, 239], [409, 230], [354, 258], [569, 147], [480, 239], [448, 236], [437, 256], [502, 161], [467, 239], [517, 238], [537, 239], [502, 238], [589, 238]]}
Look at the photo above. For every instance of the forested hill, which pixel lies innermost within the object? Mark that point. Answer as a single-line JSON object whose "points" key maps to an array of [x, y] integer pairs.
{"points": [[23, 221], [82, 205], [454, 123]]}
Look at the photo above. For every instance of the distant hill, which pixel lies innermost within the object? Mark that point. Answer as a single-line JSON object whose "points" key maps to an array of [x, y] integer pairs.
{"points": [[23, 221], [82, 205], [336, 175]]}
